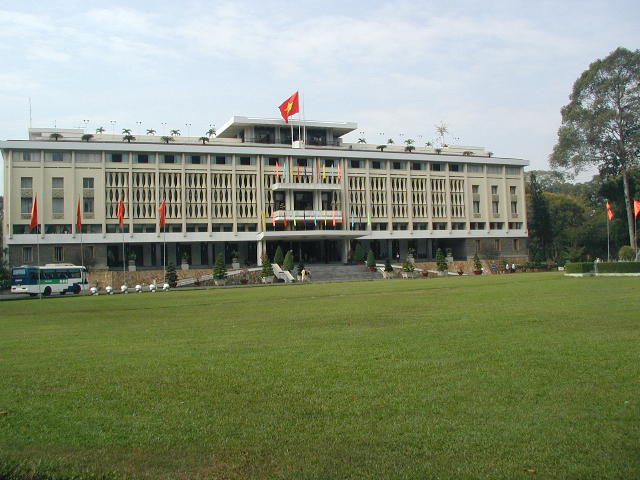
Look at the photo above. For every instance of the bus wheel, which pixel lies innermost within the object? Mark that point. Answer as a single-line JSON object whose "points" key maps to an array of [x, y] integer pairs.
{"points": [[47, 291], [33, 294], [76, 289]]}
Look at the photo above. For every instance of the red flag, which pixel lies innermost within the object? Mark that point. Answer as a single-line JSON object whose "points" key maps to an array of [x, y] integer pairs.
{"points": [[339, 174], [277, 168], [273, 217], [78, 218], [298, 171], [333, 220], [120, 213], [285, 218], [289, 107], [636, 208], [163, 213], [34, 213], [610, 214]]}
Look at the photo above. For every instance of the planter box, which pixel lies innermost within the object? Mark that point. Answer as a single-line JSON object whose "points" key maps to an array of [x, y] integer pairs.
{"points": [[132, 266], [184, 266], [267, 280], [235, 264], [387, 275]]}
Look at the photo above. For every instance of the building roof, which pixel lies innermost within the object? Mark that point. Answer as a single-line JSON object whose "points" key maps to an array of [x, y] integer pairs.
{"points": [[237, 123]]}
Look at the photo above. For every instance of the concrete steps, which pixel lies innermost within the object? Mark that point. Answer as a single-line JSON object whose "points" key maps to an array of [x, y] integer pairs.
{"points": [[336, 272]]}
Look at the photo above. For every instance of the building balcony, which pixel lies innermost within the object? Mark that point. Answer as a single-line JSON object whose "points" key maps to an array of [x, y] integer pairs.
{"points": [[306, 186], [307, 215]]}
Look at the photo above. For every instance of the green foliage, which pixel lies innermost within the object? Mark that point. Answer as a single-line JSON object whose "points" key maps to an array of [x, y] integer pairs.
{"points": [[371, 259], [477, 264], [626, 253], [358, 255], [408, 266], [219, 268], [441, 261], [288, 261], [170, 275], [579, 267], [619, 267], [387, 266], [539, 220], [267, 268], [279, 256], [300, 267]]}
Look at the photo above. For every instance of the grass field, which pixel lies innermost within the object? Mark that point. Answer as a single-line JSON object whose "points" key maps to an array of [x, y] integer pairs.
{"points": [[471, 377]]}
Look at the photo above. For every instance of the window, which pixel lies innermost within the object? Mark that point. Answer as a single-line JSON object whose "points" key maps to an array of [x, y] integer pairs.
{"points": [[513, 170], [26, 182], [496, 225], [455, 167], [416, 166], [494, 189], [516, 244], [245, 161], [26, 156], [476, 225], [27, 254], [440, 225], [458, 226], [222, 160], [143, 158], [475, 189], [57, 156], [493, 169], [87, 205], [168, 159], [515, 225], [25, 205], [57, 206], [196, 160], [376, 165], [475, 168], [497, 245], [355, 164], [476, 206], [89, 252], [87, 182], [397, 165], [273, 161], [58, 254], [57, 182], [437, 167], [115, 157], [514, 208], [512, 190], [329, 163], [495, 206], [301, 162]]}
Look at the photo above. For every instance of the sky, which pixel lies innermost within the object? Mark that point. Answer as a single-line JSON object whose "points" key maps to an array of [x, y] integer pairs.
{"points": [[496, 73]]}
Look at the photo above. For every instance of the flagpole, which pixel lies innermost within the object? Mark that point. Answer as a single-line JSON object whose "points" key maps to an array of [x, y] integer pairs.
{"points": [[304, 122], [608, 250], [38, 253]]}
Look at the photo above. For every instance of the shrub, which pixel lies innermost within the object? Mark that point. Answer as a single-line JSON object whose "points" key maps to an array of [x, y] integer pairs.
{"points": [[408, 266], [219, 269], [279, 256], [626, 253], [267, 268], [477, 264], [300, 267], [170, 276], [288, 261], [619, 267], [441, 262], [580, 267], [358, 254], [387, 266], [371, 259]]}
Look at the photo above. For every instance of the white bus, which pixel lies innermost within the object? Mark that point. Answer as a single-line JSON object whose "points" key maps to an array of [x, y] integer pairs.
{"points": [[52, 278]]}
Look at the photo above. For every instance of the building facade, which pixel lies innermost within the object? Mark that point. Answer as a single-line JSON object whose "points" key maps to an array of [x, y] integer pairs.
{"points": [[259, 184]]}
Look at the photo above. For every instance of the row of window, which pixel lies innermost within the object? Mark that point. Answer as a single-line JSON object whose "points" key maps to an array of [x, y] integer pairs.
{"points": [[57, 200], [58, 253], [145, 158]]}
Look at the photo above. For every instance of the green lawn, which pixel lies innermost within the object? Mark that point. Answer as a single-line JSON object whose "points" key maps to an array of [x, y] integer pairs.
{"points": [[471, 377]]}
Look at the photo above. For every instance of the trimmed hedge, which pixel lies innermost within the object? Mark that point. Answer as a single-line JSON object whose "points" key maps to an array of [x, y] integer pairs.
{"points": [[619, 267], [603, 267], [580, 267]]}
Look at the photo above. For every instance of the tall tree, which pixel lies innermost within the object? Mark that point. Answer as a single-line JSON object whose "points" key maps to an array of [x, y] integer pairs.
{"points": [[539, 221], [601, 122]]}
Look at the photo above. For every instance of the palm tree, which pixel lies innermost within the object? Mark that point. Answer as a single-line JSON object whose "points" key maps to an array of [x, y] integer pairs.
{"points": [[55, 136], [428, 144], [100, 130], [175, 132], [362, 140], [390, 141], [166, 139], [151, 131], [126, 131], [204, 139], [409, 141], [438, 151], [128, 137], [489, 154], [86, 137], [409, 148], [381, 147], [211, 132]]}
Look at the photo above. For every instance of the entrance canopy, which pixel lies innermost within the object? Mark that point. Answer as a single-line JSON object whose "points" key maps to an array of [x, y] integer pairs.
{"points": [[311, 235]]}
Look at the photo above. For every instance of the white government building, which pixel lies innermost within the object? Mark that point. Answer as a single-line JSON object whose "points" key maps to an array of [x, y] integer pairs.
{"points": [[254, 187]]}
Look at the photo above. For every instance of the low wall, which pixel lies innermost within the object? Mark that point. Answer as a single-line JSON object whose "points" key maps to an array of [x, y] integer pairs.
{"points": [[102, 278]]}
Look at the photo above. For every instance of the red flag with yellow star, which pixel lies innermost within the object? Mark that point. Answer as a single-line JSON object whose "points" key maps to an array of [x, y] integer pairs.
{"points": [[289, 107]]}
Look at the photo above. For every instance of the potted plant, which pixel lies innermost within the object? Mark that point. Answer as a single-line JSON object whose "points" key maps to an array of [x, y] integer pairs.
{"points": [[449, 255], [170, 276], [388, 269], [131, 261], [220, 271], [477, 265], [185, 260], [371, 261], [279, 256], [411, 255], [441, 263], [358, 254], [408, 269], [288, 261], [235, 262], [267, 270]]}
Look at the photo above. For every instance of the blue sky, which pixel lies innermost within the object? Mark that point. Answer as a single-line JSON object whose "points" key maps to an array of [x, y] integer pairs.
{"points": [[496, 72]]}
